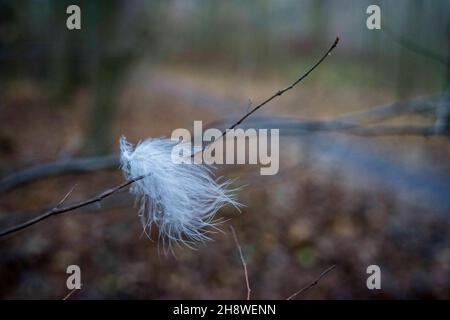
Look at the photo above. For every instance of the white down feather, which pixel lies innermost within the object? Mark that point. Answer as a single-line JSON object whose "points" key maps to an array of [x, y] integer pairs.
{"points": [[181, 199]]}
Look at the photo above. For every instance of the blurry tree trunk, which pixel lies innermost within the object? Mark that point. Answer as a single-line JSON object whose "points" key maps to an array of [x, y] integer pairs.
{"points": [[442, 123], [408, 68], [107, 68], [64, 71], [103, 106]]}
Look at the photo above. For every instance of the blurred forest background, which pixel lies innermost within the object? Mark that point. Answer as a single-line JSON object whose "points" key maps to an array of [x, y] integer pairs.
{"points": [[145, 68]]}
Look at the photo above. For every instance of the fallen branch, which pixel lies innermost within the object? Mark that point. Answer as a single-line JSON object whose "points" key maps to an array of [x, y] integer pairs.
{"points": [[389, 111], [343, 123], [289, 126], [81, 165]]}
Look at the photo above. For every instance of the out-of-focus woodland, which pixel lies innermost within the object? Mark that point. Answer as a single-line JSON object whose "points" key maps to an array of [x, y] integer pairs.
{"points": [[375, 194]]}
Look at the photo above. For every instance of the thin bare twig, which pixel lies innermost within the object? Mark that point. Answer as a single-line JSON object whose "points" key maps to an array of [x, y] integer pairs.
{"points": [[294, 127], [280, 92], [275, 95], [312, 284], [244, 264], [66, 196], [70, 294], [58, 209]]}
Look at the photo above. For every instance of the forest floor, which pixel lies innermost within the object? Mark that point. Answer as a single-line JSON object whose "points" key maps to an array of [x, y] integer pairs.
{"points": [[294, 225]]}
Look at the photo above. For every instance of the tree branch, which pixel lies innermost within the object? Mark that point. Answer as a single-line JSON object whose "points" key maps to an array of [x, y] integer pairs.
{"points": [[312, 284], [70, 294], [57, 210], [58, 167], [244, 265], [280, 92], [303, 127]]}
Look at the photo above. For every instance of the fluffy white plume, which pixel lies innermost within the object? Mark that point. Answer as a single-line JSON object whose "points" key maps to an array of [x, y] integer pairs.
{"points": [[181, 199]]}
